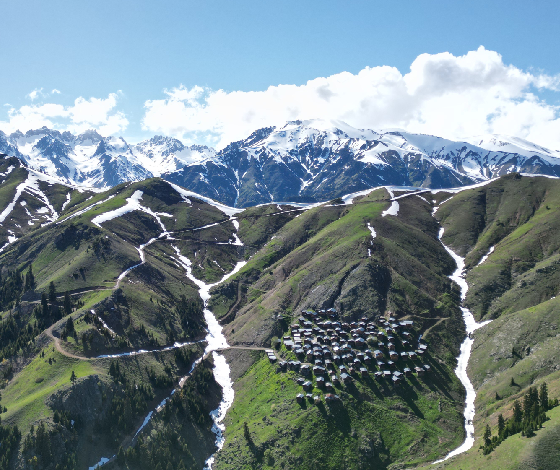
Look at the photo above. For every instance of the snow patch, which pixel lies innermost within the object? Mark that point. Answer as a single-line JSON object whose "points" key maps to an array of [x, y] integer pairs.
{"points": [[463, 360], [485, 257]]}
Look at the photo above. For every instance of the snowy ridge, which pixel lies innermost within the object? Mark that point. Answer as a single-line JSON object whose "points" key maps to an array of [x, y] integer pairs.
{"points": [[314, 160]]}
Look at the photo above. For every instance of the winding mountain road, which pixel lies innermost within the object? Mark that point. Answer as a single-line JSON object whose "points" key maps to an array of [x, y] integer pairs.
{"points": [[64, 352]]}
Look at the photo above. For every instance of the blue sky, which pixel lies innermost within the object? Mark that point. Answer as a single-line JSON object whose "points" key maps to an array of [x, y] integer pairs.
{"points": [[128, 52]]}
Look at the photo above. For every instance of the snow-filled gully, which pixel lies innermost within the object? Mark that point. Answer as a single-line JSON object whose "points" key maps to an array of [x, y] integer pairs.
{"points": [[463, 360], [215, 339]]}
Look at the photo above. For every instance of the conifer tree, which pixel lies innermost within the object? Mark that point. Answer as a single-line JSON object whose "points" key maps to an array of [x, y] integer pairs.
{"points": [[517, 413], [52, 292], [501, 426], [487, 436], [44, 305], [29, 279], [70, 330], [543, 397], [67, 304]]}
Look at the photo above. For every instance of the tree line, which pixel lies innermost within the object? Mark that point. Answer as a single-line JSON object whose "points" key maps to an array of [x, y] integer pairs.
{"points": [[528, 416]]}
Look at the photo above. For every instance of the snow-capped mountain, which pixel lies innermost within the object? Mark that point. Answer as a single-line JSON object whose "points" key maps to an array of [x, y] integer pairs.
{"points": [[300, 161], [87, 159], [161, 155], [321, 160]]}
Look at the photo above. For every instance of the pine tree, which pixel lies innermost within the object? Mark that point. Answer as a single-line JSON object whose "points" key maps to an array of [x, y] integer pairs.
{"points": [[517, 413], [52, 292], [487, 436], [70, 330], [543, 397], [44, 305], [528, 402], [67, 304], [29, 279], [73, 378], [501, 426]]}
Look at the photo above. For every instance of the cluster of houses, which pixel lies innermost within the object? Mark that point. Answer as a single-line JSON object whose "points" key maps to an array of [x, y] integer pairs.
{"points": [[335, 352]]}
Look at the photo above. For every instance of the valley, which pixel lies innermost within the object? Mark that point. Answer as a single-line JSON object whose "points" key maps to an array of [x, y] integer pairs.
{"points": [[160, 304]]}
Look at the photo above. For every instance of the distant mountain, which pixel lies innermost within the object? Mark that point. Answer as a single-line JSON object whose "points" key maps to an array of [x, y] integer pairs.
{"points": [[302, 161]]}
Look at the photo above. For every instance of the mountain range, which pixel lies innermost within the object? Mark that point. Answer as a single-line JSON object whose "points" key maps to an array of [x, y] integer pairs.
{"points": [[302, 161]]}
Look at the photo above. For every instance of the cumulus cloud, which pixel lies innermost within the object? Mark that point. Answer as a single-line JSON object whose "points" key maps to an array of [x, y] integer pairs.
{"points": [[36, 93], [83, 114], [442, 94]]}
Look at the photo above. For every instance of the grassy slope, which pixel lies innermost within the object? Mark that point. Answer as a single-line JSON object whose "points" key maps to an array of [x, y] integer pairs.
{"points": [[64, 254], [516, 283], [320, 259], [520, 218], [515, 453]]}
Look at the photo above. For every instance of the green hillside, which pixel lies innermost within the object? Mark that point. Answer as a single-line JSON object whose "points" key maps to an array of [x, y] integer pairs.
{"points": [[105, 279]]}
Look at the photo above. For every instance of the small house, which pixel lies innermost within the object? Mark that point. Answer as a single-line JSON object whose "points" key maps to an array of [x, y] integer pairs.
{"points": [[329, 398], [363, 372], [300, 397], [407, 372], [305, 370], [360, 343], [393, 355], [318, 370], [419, 371], [308, 386], [345, 378], [320, 382]]}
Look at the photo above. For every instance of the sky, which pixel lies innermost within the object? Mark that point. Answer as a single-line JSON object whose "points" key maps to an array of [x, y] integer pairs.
{"points": [[210, 72]]}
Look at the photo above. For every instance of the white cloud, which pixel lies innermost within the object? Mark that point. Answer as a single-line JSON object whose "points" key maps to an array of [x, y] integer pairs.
{"points": [[92, 113], [36, 93], [442, 94], [55, 92]]}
